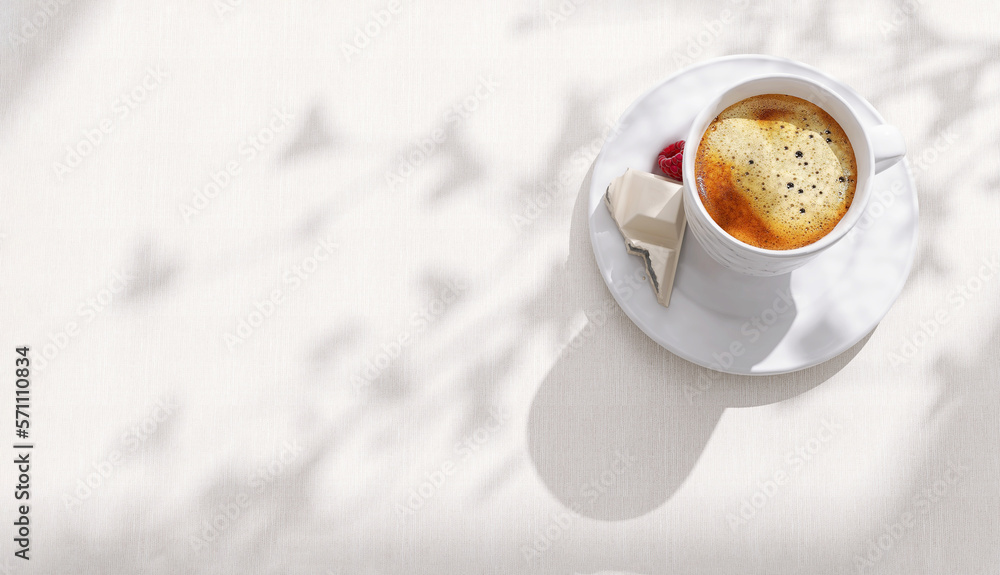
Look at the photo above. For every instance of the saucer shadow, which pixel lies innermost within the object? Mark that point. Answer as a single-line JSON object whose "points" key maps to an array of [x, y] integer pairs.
{"points": [[728, 293], [618, 423]]}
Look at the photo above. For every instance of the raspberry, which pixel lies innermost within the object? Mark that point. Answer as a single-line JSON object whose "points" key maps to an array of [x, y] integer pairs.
{"points": [[670, 160]]}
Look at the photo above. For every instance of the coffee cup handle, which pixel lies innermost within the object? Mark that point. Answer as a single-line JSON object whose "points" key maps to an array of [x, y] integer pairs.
{"points": [[888, 146]]}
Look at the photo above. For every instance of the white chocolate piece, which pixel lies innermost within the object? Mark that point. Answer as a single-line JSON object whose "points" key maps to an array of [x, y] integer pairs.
{"points": [[650, 215]]}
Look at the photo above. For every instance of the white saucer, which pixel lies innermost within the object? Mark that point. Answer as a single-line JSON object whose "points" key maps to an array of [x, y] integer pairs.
{"points": [[735, 323]]}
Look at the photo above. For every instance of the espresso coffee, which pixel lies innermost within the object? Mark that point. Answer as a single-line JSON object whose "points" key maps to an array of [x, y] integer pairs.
{"points": [[776, 171]]}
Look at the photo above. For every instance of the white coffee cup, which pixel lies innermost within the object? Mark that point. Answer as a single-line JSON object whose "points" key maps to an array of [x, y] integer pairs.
{"points": [[875, 149]]}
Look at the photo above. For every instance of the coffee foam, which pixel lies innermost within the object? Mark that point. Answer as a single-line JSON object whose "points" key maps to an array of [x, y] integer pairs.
{"points": [[776, 171]]}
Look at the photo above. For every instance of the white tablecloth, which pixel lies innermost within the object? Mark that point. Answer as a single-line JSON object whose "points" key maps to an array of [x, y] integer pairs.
{"points": [[309, 289]]}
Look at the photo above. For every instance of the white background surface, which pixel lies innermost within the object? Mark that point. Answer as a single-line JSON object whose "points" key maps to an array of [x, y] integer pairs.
{"points": [[519, 385]]}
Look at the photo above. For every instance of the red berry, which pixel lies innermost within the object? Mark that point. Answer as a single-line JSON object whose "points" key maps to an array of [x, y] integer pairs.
{"points": [[671, 160]]}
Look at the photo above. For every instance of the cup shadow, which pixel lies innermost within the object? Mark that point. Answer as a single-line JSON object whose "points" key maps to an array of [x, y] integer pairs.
{"points": [[618, 423]]}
